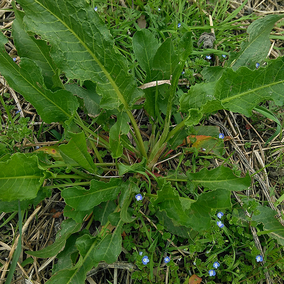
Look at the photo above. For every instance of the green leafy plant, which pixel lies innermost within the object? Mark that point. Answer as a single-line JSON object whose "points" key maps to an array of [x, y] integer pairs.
{"points": [[69, 62]]}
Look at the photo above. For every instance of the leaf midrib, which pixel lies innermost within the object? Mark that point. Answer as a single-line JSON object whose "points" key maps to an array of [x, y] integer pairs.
{"points": [[120, 96], [251, 91], [17, 70]]}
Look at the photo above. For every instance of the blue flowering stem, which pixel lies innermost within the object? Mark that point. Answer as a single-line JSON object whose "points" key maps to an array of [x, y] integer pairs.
{"points": [[228, 234]]}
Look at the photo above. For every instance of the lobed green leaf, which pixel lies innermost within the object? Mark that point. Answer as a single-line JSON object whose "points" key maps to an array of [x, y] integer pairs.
{"points": [[68, 227], [188, 213], [92, 251], [82, 200], [36, 50], [255, 50], [239, 91], [221, 177], [26, 79], [82, 47]]}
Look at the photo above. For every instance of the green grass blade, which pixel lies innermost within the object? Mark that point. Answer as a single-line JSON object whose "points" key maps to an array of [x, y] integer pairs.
{"points": [[267, 113], [18, 249]]}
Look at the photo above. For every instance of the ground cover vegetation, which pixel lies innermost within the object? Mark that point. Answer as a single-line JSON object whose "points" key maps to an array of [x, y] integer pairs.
{"points": [[141, 142]]}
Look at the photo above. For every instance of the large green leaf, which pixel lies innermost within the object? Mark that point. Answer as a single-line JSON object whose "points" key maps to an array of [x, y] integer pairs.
{"points": [[221, 177], [239, 91], [145, 46], [181, 231], [199, 212], [81, 199], [119, 128], [266, 216], [27, 80], [125, 199], [165, 60], [65, 257], [109, 248], [188, 213], [185, 46], [255, 50], [82, 47], [272, 226], [20, 178], [168, 200], [76, 152], [199, 95], [36, 50], [71, 276], [68, 227], [163, 63], [92, 251], [103, 210], [77, 274], [88, 94], [77, 216]]}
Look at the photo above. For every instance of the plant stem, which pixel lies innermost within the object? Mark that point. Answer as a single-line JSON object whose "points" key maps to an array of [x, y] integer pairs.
{"points": [[96, 151], [67, 185], [69, 176], [138, 134], [79, 121], [175, 130], [86, 129]]}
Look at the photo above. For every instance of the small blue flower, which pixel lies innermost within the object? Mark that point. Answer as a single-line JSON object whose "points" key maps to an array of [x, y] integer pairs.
{"points": [[224, 55], [159, 9], [140, 252], [15, 59], [96, 9], [145, 260], [212, 272], [208, 57], [216, 264], [221, 135], [259, 258], [182, 73], [220, 214], [138, 197], [179, 25], [220, 224], [256, 65], [166, 259], [17, 111]]}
